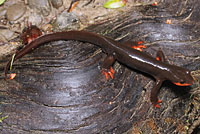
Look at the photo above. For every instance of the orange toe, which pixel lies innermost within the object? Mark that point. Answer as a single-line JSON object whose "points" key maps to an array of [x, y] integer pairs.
{"points": [[111, 75], [111, 70], [139, 47]]}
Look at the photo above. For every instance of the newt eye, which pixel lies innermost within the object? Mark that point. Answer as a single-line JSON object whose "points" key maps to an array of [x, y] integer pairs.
{"points": [[182, 82]]}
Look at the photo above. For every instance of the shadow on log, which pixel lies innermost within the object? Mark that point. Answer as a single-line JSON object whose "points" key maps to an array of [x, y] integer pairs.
{"points": [[59, 87]]}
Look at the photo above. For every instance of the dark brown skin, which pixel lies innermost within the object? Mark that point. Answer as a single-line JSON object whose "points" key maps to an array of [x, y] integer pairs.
{"points": [[135, 59]]}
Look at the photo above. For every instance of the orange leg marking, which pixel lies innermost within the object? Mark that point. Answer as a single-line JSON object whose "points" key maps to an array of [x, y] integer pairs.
{"points": [[139, 47], [111, 72], [156, 105], [106, 74], [140, 42], [111, 75], [158, 58]]}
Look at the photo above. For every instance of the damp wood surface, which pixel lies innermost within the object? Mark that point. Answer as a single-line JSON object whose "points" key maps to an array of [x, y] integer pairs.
{"points": [[59, 87]]}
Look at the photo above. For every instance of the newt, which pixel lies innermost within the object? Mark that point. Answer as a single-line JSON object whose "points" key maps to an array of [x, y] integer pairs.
{"points": [[123, 53]]}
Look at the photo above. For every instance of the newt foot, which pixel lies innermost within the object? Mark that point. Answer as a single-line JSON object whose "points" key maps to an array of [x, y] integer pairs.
{"points": [[107, 73], [157, 104], [139, 46]]}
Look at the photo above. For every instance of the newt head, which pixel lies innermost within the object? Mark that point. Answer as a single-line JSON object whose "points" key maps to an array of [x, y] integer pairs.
{"points": [[185, 80], [180, 76]]}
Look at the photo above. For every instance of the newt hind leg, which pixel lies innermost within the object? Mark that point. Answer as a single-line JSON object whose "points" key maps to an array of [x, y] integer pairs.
{"points": [[160, 56], [154, 94], [107, 69]]}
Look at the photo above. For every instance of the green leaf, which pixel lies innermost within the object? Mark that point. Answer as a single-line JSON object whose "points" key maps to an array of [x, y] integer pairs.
{"points": [[1, 119], [2, 1], [114, 3], [11, 63]]}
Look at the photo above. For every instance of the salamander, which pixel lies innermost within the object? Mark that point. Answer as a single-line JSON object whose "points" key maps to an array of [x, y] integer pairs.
{"points": [[124, 54]]}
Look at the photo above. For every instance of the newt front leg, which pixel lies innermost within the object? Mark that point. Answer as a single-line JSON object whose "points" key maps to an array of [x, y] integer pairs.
{"points": [[107, 66], [154, 93]]}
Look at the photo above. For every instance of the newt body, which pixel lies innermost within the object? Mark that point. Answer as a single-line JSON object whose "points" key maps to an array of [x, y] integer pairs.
{"points": [[135, 59]]}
